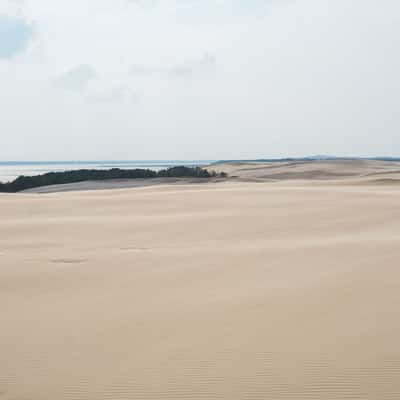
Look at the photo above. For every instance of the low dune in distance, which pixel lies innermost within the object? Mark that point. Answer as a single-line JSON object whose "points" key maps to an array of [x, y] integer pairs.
{"points": [[222, 290], [352, 170]]}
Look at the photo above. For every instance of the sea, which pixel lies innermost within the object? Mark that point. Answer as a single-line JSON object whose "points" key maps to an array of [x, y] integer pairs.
{"points": [[10, 170]]}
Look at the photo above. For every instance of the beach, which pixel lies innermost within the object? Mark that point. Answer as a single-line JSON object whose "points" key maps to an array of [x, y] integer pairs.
{"points": [[280, 282]]}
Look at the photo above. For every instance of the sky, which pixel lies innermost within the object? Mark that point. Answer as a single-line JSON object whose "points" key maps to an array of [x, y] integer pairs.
{"points": [[198, 79]]}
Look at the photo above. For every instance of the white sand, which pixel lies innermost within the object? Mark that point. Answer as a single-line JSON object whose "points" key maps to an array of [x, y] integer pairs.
{"points": [[216, 291]]}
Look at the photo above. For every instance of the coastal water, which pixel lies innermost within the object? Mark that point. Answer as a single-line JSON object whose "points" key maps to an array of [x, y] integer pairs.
{"points": [[11, 170]]}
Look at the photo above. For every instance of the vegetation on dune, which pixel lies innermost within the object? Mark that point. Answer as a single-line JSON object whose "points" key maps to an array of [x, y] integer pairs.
{"points": [[59, 178]]}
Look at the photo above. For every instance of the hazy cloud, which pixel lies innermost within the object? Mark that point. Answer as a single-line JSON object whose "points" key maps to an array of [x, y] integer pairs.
{"points": [[114, 95], [76, 78], [145, 70], [206, 64], [203, 65], [15, 34]]}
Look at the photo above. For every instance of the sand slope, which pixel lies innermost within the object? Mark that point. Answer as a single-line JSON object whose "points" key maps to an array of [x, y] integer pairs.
{"points": [[222, 291]]}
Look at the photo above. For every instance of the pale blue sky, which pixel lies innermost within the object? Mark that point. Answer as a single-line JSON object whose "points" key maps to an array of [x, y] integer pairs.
{"points": [[211, 79], [15, 34]]}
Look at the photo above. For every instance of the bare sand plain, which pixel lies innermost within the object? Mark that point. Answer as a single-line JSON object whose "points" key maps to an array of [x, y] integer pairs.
{"points": [[241, 289]]}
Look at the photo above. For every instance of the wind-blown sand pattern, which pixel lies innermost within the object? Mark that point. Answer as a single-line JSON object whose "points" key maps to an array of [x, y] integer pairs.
{"points": [[235, 290]]}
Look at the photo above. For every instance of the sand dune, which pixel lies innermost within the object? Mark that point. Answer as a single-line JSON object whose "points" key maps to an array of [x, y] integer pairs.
{"points": [[234, 290], [357, 171]]}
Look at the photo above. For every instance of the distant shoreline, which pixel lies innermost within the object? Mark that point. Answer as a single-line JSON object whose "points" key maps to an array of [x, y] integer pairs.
{"points": [[348, 171], [23, 183], [10, 170]]}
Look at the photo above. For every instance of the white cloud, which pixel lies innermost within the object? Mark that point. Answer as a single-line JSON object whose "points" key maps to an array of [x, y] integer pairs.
{"points": [[253, 78]]}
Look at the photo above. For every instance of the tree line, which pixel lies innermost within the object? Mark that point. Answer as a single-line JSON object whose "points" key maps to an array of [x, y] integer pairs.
{"points": [[81, 175]]}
